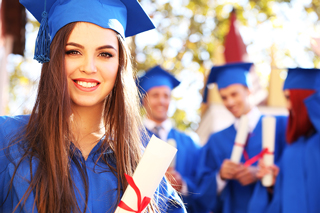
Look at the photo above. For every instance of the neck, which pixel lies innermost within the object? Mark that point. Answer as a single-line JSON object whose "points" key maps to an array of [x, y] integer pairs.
{"points": [[248, 110], [157, 121], [87, 126]]}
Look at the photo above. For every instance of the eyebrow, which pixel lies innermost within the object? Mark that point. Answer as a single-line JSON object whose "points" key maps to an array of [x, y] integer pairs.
{"points": [[99, 48]]}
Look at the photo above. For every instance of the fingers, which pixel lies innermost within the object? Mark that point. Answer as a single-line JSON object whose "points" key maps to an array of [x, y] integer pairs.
{"points": [[264, 170], [246, 175], [275, 170], [228, 169], [175, 179]]}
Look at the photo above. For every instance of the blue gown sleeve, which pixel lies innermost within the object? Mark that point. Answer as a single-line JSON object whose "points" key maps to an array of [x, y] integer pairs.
{"points": [[188, 171], [9, 126], [207, 199]]}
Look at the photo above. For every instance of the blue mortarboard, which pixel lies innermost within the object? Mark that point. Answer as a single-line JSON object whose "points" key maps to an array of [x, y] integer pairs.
{"points": [[126, 17], [302, 78], [225, 75], [156, 77]]}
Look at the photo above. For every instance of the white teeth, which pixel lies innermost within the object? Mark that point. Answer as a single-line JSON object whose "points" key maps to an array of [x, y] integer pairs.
{"points": [[87, 84]]}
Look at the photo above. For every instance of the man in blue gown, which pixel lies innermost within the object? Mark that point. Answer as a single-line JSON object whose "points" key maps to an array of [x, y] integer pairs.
{"points": [[226, 186], [156, 85], [297, 186]]}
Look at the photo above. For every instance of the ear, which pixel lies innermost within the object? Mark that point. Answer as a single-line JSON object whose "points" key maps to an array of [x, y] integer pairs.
{"points": [[249, 91]]}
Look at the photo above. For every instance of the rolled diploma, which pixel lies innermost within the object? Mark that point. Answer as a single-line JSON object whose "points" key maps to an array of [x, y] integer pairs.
{"points": [[173, 143], [149, 172], [268, 138], [240, 140]]}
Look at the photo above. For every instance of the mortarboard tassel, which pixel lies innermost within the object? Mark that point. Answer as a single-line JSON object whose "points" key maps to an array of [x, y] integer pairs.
{"points": [[42, 49]]}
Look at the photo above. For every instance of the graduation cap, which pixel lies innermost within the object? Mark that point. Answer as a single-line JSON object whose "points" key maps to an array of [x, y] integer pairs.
{"points": [[126, 17], [156, 77], [225, 75], [302, 78]]}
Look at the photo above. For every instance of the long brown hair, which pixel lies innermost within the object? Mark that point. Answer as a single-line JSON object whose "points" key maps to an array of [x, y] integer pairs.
{"points": [[47, 135]]}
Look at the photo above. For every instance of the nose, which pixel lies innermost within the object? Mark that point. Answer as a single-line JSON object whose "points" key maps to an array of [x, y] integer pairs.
{"points": [[229, 102], [89, 65]]}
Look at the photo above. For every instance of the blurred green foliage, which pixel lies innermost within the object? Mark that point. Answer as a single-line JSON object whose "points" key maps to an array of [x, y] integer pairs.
{"points": [[198, 26]]}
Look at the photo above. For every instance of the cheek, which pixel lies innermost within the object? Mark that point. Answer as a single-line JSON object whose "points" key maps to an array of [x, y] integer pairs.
{"points": [[153, 101], [241, 99], [69, 67], [110, 72], [224, 101]]}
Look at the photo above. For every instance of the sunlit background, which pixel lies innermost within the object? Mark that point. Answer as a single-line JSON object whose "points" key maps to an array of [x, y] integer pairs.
{"points": [[188, 41]]}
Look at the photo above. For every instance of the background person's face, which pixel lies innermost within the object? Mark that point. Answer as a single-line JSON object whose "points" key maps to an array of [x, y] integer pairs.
{"points": [[236, 99], [287, 96], [156, 103]]}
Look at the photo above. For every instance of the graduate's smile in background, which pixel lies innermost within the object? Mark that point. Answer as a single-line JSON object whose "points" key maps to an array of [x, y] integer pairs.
{"points": [[91, 63], [158, 103], [236, 99]]}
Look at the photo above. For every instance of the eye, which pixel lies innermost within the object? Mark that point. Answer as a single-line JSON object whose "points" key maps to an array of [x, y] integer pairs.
{"points": [[72, 52], [106, 55]]}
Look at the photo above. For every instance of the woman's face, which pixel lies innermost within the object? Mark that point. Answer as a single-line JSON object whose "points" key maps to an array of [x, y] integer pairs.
{"points": [[91, 64], [287, 96]]}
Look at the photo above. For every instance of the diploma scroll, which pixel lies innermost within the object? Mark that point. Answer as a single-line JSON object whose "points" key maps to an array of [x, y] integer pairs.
{"points": [[240, 140], [268, 139], [149, 172]]}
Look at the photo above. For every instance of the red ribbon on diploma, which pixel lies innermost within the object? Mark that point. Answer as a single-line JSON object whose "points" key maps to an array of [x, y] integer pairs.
{"points": [[141, 205], [245, 154], [251, 161]]}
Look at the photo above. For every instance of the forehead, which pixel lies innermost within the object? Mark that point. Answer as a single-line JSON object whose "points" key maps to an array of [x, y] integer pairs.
{"points": [[85, 32], [160, 89], [238, 88]]}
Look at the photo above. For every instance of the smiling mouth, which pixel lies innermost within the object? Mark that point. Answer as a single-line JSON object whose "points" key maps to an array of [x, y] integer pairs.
{"points": [[86, 84]]}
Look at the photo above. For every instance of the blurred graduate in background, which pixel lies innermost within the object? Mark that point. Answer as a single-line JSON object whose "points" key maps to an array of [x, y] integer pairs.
{"points": [[156, 86], [226, 186], [297, 186]]}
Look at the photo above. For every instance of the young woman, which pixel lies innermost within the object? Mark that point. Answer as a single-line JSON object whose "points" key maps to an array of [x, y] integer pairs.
{"points": [[83, 135], [296, 187]]}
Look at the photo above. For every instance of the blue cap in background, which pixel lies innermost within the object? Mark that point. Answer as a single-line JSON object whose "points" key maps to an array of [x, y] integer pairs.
{"points": [[228, 74], [126, 17], [156, 77], [302, 78]]}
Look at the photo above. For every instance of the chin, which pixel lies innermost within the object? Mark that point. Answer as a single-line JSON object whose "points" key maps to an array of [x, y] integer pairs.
{"points": [[161, 119], [237, 115], [86, 103]]}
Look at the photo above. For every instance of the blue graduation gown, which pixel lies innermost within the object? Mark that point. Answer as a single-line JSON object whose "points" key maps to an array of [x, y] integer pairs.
{"points": [[186, 164], [102, 183], [297, 187], [234, 197]]}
